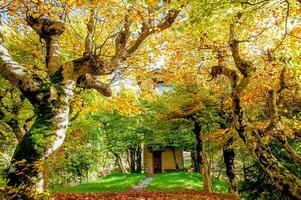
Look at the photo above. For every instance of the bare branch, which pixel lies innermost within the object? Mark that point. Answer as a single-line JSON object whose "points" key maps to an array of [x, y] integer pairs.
{"points": [[147, 31]]}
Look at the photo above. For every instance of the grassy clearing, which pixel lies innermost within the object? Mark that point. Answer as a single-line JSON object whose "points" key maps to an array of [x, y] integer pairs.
{"points": [[183, 181], [116, 182]]}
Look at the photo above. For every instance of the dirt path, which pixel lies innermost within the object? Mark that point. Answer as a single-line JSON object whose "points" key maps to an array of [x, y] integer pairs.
{"points": [[145, 195], [143, 184]]}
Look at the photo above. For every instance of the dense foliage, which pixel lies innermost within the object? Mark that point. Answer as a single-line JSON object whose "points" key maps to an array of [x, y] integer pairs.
{"points": [[87, 85]]}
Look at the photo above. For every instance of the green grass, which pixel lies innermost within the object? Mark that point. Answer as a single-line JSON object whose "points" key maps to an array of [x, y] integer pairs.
{"points": [[116, 182], [183, 181]]}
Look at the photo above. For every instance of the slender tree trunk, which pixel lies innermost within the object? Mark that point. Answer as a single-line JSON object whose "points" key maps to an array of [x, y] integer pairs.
{"points": [[206, 172], [139, 159], [201, 157], [132, 160], [120, 163], [229, 155], [175, 158], [195, 162]]}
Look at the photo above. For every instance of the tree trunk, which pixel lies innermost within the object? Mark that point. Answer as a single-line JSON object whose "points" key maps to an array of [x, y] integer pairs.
{"points": [[139, 159], [284, 180], [229, 154], [175, 158], [132, 159], [201, 157], [194, 162], [206, 173], [120, 163], [45, 136]]}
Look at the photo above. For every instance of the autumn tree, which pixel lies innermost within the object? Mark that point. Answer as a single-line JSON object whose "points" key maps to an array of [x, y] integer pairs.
{"points": [[51, 94]]}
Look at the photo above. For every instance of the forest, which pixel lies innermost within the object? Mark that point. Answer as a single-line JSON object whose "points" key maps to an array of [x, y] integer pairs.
{"points": [[150, 99]]}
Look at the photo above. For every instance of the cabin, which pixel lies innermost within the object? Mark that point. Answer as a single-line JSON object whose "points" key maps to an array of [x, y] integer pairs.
{"points": [[160, 158]]}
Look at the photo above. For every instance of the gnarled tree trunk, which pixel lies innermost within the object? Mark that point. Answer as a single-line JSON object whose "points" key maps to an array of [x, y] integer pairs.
{"points": [[284, 180]]}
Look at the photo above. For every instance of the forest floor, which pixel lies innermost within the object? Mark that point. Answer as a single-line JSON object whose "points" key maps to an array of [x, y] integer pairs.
{"points": [[174, 186], [144, 195]]}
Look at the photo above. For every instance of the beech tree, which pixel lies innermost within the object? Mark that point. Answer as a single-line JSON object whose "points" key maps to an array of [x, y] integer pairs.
{"points": [[51, 95], [284, 180]]}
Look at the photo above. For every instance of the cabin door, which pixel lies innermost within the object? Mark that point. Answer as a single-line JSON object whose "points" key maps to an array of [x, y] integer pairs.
{"points": [[157, 162]]}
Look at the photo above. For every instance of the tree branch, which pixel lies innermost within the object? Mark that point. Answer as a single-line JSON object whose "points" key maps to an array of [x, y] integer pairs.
{"points": [[146, 30], [91, 82], [18, 75], [90, 30], [50, 31], [245, 67]]}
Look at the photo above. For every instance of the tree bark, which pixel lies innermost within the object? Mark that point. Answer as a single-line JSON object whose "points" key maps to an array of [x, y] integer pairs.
{"points": [[195, 162], [207, 184], [175, 158], [45, 136], [132, 160], [139, 159], [229, 154]]}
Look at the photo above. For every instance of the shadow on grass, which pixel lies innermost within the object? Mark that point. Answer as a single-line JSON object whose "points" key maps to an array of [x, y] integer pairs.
{"points": [[181, 181], [116, 182]]}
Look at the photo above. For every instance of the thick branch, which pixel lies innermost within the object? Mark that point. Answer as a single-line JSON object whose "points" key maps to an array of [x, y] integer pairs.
{"points": [[222, 70], [50, 31], [91, 82], [120, 46], [282, 139], [245, 67], [18, 75], [282, 84]]}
